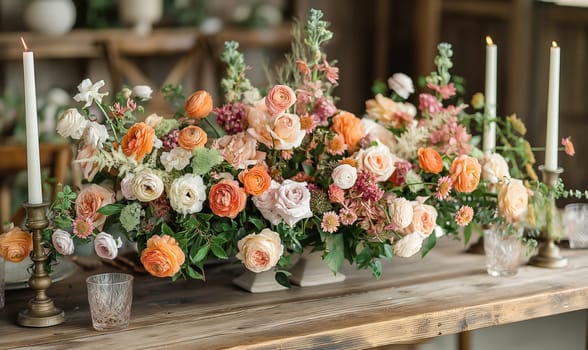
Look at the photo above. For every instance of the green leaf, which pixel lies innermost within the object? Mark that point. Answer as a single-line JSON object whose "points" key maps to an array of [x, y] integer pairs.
{"points": [[218, 251], [258, 223], [467, 233], [388, 252], [111, 209], [194, 274], [335, 252], [200, 254], [429, 244], [376, 267], [166, 230], [282, 278]]}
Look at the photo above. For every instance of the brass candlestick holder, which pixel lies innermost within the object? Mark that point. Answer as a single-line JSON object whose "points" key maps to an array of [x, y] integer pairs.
{"points": [[40, 312], [548, 255]]}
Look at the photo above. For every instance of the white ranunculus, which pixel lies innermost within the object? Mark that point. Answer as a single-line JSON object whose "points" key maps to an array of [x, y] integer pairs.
{"points": [[146, 186], [293, 202], [265, 203], [187, 193], [178, 158], [106, 246], [95, 134], [126, 186], [401, 212], [71, 124], [143, 91], [88, 92], [401, 84], [344, 176], [408, 245], [153, 120], [495, 168], [62, 242], [377, 160], [260, 252]]}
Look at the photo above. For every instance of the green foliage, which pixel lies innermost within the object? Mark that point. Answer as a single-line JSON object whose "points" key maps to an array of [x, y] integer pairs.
{"points": [[204, 159]]}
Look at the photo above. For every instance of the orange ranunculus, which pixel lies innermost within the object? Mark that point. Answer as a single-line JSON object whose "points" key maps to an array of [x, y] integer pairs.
{"points": [[191, 137], [163, 257], [256, 180], [430, 160], [279, 98], [348, 125], [226, 198], [199, 104], [465, 173], [138, 140], [15, 245]]}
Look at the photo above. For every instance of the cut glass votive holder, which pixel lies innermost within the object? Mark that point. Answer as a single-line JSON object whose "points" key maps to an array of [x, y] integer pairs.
{"points": [[503, 252], [575, 219], [110, 296]]}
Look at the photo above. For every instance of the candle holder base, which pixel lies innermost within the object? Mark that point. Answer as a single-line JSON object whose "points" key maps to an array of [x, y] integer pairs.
{"points": [[41, 314], [548, 257]]}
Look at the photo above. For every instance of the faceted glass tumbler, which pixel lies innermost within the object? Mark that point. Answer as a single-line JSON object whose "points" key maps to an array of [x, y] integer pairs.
{"points": [[503, 252], [110, 296], [576, 224]]}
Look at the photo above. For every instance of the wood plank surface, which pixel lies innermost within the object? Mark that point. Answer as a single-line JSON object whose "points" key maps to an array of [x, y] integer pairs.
{"points": [[447, 292]]}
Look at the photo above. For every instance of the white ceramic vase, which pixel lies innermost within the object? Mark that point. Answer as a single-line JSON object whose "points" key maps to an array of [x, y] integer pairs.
{"points": [[141, 14], [53, 17], [311, 270]]}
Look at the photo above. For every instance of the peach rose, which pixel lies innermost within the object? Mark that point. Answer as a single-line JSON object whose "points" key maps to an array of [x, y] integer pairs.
{"points": [[424, 219], [286, 132], [465, 173], [240, 150], [256, 180], [377, 160], [90, 199], [430, 160], [89, 168], [138, 141], [15, 245], [513, 199], [348, 125], [260, 252], [495, 168], [226, 198], [279, 98], [192, 137], [162, 257], [199, 104]]}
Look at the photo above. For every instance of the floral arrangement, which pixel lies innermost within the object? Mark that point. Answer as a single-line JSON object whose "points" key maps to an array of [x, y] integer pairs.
{"points": [[266, 175]]}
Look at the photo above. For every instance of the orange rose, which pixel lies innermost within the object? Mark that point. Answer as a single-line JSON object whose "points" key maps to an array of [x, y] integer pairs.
{"points": [[430, 160], [348, 125], [279, 98], [199, 104], [465, 173], [226, 198], [15, 245], [138, 140], [192, 137], [255, 180], [163, 257], [90, 199]]}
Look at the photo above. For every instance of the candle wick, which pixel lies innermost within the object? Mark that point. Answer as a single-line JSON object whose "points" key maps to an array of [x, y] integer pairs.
{"points": [[24, 44]]}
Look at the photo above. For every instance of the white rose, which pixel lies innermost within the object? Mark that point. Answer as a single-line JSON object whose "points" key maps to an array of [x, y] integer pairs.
{"points": [[146, 186], [408, 245], [153, 120], [513, 199], [71, 124], [494, 168], [95, 134], [143, 92], [260, 252], [293, 202], [401, 84], [62, 242], [187, 193], [126, 186], [106, 246], [377, 160], [401, 212], [265, 203], [178, 158], [344, 176]]}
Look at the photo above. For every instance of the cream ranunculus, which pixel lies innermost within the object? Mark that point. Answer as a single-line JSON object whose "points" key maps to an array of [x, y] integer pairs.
{"points": [[62, 242], [401, 84], [71, 124], [495, 168], [293, 202], [153, 120], [344, 176], [95, 134], [178, 158], [513, 199], [260, 252], [147, 186], [401, 212], [187, 193], [377, 160], [408, 245], [106, 246], [265, 203]]}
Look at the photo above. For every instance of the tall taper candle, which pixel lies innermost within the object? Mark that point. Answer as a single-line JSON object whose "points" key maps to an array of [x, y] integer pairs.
{"points": [[489, 137], [551, 139], [32, 130]]}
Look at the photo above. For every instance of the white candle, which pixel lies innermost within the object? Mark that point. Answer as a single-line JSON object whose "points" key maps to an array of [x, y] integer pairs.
{"points": [[551, 139], [32, 131], [489, 139]]}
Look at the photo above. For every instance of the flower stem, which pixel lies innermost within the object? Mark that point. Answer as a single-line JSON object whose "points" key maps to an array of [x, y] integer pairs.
{"points": [[109, 121]]}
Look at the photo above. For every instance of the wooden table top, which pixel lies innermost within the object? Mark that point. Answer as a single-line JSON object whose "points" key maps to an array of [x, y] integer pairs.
{"points": [[447, 292]]}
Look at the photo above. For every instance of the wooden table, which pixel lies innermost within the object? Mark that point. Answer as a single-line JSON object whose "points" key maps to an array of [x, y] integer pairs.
{"points": [[447, 292]]}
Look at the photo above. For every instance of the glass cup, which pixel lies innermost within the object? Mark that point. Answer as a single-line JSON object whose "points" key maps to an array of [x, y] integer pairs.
{"points": [[110, 296], [2, 282], [576, 224], [503, 252]]}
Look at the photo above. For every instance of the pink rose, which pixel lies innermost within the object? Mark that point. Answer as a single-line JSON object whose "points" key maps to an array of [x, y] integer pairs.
{"points": [[279, 98], [90, 199], [106, 246], [62, 242], [293, 202], [265, 203], [126, 186]]}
